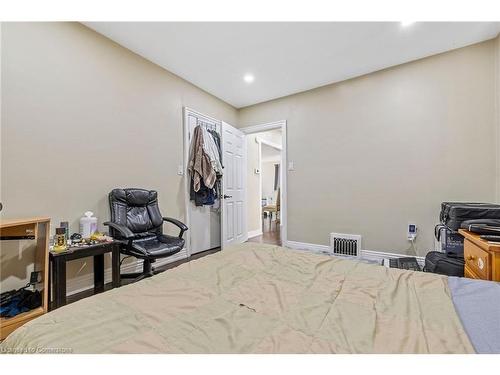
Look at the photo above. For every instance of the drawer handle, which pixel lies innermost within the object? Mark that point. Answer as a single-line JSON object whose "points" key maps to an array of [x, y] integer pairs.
{"points": [[480, 264], [471, 257]]}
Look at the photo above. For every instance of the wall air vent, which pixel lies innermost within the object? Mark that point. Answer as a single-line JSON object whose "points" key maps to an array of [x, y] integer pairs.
{"points": [[345, 244]]}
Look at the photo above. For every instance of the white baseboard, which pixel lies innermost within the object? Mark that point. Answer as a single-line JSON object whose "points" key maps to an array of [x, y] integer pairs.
{"points": [[255, 233], [81, 283], [307, 246], [367, 254]]}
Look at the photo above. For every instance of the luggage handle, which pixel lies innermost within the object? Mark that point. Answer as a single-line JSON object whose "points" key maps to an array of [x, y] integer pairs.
{"points": [[437, 231]]}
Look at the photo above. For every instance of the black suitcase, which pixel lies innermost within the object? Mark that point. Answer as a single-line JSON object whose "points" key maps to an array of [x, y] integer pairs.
{"points": [[444, 264], [454, 213]]}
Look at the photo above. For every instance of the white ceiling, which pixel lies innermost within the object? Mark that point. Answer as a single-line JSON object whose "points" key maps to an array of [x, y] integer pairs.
{"points": [[285, 58]]}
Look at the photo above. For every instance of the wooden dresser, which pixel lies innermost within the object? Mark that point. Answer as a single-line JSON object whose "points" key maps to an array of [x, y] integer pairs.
{"points": [[482, 258]]}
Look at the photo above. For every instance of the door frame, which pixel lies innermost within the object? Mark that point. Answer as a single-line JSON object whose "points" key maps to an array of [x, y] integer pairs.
{"points": [[282, 124], [186, 112]]}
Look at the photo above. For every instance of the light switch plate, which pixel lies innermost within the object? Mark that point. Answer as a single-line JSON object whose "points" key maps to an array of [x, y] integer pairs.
{"points": [[291, 167]]}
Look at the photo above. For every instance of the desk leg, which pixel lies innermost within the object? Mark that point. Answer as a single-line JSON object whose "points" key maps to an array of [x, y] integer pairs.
{"points": [[98, 273], [115, 266], [59, 270], [50, 283]]}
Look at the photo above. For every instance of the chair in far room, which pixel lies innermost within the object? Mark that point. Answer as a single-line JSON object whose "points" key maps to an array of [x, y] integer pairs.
{"points": [[270, 208], [137, 223]]}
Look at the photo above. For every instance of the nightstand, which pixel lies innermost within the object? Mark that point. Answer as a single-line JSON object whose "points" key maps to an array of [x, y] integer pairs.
{"points": [[482, 258], [97, 251]]}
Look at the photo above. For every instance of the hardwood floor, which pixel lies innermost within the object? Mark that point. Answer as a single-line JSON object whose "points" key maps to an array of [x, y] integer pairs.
{"points": [[270, 234]]}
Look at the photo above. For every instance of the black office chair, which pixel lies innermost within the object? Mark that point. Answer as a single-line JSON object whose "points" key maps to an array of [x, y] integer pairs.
{"points": [[136, 221]]}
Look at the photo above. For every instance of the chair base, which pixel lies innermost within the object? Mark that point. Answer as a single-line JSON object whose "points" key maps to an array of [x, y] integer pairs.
{"points": [[147, 271]]}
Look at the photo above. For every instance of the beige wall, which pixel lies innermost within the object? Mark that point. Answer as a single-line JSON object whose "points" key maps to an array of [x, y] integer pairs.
{"points": [[82, 115], [378, 151]]}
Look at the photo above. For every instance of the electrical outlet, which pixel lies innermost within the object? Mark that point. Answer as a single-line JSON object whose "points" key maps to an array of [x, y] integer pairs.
{"points": [[35, 277], [412, 231]]}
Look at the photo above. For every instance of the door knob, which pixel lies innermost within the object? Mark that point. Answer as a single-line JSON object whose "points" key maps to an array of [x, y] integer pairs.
{"points": [[227, 196]]}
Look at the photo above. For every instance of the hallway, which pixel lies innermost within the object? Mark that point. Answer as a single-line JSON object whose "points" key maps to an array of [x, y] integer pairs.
{"points": [[269, 236]]}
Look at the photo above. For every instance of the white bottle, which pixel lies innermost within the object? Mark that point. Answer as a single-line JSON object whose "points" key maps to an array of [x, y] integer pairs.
{"points": [[88, 224]]}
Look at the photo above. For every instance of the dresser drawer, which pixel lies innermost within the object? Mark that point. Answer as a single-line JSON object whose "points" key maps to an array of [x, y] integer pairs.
{"points": [[477, 260], [470, 274]]}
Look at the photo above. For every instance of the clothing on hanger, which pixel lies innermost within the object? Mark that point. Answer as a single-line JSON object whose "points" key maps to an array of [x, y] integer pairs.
{"points": [[212, 150], [200, 165], [203, 197], [205, 161], [217, 142]]}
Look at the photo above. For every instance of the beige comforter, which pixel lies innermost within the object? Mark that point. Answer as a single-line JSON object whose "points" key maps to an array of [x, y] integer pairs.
{"points": [[256, 298]]}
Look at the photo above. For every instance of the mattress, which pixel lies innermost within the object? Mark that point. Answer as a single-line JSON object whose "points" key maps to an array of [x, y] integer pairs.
{"points": [[477, 303], [255, 298]]}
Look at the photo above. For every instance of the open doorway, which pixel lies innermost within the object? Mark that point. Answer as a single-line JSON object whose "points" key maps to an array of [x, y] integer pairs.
{"points": [[252, 203], [266, 183]]}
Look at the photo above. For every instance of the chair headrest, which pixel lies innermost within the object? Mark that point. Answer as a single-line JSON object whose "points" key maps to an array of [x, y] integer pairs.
{"points": [[135, 197]]}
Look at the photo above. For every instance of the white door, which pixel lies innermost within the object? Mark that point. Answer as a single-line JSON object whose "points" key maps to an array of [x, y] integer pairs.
{"points": [[234, 205]]}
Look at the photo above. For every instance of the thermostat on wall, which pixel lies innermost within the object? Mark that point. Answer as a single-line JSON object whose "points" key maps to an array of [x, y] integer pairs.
{"points": [[256, 171]]}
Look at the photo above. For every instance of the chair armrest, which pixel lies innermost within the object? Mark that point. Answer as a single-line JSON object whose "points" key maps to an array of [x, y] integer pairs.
{"points": [[124, 231], [177, 223]]}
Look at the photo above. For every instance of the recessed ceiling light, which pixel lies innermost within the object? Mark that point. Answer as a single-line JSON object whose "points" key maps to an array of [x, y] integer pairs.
{"points": [[248, 78], [407, 23]]}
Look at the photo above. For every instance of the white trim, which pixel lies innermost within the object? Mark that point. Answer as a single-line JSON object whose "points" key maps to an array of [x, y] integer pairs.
{"points": [[263, 127], [185, 160], [199, 114], [255, 233], [366, 254], [85, 282], [307, 246], [268, 143], [284, 170]]}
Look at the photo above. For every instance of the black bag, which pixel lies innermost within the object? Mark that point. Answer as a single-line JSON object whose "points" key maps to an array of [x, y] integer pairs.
{"points": [[454, 213], [15, 302], [444, 264], [482, 226]]}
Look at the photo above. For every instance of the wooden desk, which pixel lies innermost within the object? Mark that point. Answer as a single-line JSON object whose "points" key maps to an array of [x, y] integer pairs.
{"points": [[37, 229], [58, 261], [482, 258]]}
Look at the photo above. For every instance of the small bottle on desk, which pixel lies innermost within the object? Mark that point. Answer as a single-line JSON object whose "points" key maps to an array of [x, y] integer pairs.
{"points": [[60, 243]]}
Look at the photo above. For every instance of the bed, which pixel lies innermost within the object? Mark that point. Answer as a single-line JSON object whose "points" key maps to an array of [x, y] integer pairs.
{"points": [[255, 298]]}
